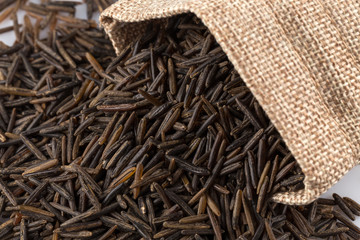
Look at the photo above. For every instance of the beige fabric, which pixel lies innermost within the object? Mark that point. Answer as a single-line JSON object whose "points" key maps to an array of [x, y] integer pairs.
{"points": [[299, 58]]}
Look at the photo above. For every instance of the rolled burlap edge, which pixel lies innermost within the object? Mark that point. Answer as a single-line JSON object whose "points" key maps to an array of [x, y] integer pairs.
{"points": [[255, 42]]}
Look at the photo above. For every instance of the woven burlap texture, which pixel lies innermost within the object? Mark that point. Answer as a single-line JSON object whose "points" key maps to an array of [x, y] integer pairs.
{"points": [[300, 60]]}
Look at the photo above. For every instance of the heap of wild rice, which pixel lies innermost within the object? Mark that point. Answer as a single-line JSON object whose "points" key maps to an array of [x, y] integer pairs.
{"points": [[162, 142]]}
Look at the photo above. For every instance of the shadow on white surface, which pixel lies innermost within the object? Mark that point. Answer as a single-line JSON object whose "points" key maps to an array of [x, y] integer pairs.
{"points": [[348, 186]]}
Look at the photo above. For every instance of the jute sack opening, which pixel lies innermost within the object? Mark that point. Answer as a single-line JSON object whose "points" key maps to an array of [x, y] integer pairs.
{"points": [[299, 58]]}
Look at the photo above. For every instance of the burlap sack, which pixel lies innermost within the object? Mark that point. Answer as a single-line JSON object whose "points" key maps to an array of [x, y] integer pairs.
{"points": [[300, 60]]}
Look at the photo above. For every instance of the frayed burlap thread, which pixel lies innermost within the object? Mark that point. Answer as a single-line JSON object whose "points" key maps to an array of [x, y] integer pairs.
{"points": [[299, 58]]}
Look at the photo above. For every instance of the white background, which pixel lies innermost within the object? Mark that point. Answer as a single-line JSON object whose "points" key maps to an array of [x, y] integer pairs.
{"points": [[348, 186]]}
